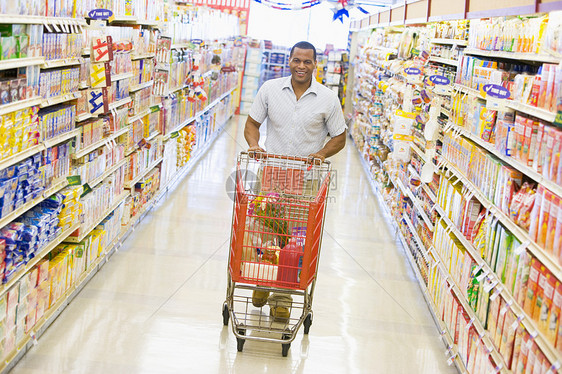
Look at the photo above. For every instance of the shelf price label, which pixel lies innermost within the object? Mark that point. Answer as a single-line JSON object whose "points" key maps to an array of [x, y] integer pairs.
{"points": [[74, 180]]}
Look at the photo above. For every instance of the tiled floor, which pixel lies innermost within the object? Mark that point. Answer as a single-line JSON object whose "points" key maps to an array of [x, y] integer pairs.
{"points": [[155, 307]]}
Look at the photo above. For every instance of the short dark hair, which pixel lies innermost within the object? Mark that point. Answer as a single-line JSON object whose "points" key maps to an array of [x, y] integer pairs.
{"points": [[304, 45]]}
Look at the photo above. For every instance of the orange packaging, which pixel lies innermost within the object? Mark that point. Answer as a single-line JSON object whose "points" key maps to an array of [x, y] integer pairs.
{"points": [[544, 276], [551, 225], [543, 218], [523, 354], [530, 298], [547, 303], [554, 317]]}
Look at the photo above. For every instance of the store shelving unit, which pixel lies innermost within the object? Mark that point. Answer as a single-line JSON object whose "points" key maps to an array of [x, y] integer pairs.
{"points": [[77, 152]]}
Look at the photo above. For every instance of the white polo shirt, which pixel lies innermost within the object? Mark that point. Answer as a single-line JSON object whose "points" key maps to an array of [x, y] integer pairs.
{"points": [[297, 128]]}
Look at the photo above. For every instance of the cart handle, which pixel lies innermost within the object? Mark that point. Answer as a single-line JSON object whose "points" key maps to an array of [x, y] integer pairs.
{"points": [[258, 155]]}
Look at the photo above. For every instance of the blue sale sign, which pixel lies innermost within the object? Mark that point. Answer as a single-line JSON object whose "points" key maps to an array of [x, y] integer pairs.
{"points": [[439, 80], [412, 71], [496, 91], [101, 14]]}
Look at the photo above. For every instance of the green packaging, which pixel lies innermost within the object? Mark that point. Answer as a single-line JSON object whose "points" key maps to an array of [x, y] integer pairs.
{"points": [[22, 44]]}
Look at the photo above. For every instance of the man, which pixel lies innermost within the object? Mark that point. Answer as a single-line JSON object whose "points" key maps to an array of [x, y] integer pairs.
{"points": [[300, 114]]}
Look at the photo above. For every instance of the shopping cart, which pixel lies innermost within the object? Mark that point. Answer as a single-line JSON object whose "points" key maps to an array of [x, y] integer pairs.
{"points": [[277, 223]]}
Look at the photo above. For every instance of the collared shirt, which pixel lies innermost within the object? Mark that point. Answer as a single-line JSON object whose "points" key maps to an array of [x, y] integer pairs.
{"points": [[300, 127]]}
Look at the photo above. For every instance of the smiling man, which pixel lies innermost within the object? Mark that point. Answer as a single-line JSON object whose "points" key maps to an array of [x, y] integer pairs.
{"points": [[300, 114]]}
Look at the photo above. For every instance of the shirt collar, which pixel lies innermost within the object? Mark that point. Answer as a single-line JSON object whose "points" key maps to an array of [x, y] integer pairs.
{"points": [[312, 89]]}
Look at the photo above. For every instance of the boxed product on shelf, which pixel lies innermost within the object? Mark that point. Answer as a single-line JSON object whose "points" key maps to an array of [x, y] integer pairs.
{"points": [[58, 82], [92, 131], [101, 198], [19, 130], [61, 46], [141, 100], [121, 63], [96, 163], [143, 71], [55, 121]]}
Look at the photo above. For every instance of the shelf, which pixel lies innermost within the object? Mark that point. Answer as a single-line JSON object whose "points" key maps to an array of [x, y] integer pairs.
{"points": [[425, 187], [60, 99], [84, 116], [540, 113], [422, 249], [48, 143], [417, 205], [118, 77], [38, 20], [152, 136], [512, 55], [445, 61], [21, 104], [528, 171], [118, 200], [83, 152], [94, 182], [381, 48], [141, 86], [139, 116], [38, 256], [21, 62], [538, 252], [57, 186], [131, 184], [449, 41], [83, 85], [142, 56], [418, 151], [527, 322], [62, 62], [119, 103], [515, 105], [20, 156]]}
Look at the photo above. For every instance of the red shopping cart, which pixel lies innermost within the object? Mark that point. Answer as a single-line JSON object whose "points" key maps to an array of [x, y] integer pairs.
{"points": [[277, 225]]}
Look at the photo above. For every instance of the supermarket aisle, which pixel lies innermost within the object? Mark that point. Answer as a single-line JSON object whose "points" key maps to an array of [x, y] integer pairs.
{"points": [[156, 306]]}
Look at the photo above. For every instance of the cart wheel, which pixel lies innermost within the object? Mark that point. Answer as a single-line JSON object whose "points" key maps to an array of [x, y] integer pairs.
{"points": [[239, 341], [285, 347], [307, 323], [225, 315], [240, 344]]}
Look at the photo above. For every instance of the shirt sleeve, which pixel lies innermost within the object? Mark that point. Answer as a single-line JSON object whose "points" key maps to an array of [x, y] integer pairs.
{"points": [[334, 120], [258, 111]]}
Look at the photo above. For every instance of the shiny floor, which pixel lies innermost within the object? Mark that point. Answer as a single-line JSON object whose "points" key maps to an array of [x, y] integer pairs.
{"points": [[155, 307]]}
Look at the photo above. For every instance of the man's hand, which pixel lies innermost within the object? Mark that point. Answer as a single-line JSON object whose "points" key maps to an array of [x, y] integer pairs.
{"points": [[256, 148], [317, 158]]}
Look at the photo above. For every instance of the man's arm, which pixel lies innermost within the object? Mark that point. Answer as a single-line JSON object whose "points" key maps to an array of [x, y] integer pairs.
{"points": [[332, 147], [252, 134]]}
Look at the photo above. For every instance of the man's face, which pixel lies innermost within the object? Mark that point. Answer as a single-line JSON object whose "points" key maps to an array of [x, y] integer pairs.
{"points": [[302, 65]]}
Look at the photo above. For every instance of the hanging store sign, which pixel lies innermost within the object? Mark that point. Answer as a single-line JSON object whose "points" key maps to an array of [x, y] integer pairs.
{"points": [[100, 14]]}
